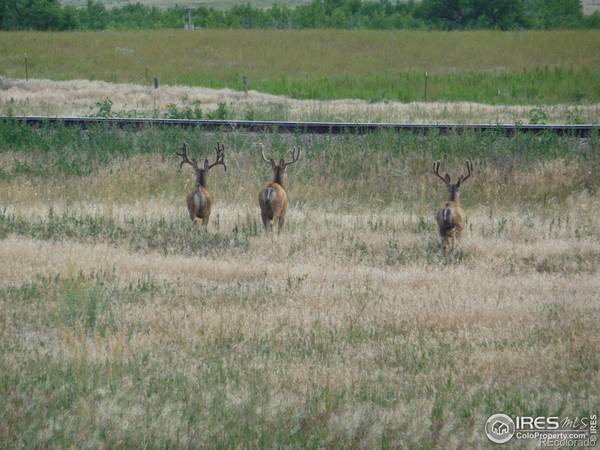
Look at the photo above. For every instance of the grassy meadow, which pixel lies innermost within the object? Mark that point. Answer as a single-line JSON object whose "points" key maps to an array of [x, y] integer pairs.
{"points": [[533, 67], [122, 326]]}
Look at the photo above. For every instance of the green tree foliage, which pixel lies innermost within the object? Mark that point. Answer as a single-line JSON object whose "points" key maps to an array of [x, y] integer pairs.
{"points": [[94, 16], [556, 14], [593, 20], [457, 14], [347, 14], [36, 14]]}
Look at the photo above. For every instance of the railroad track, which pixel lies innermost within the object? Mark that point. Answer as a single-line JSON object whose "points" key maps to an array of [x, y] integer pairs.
{"points": [[267, 126]]}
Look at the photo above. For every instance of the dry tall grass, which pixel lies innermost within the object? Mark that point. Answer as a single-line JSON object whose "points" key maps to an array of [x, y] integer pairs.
{"points": [[351, 330], [82, 98]]}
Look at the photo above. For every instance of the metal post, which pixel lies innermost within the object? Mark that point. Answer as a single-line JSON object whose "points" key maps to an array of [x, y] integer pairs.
{"points": [[155, 83], [426, 75], [188, 23], [26, 69], [245, 81]]}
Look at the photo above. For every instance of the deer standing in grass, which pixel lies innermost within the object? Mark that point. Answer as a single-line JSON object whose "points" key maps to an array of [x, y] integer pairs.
{"points": [[272, 197], [199, 200], [451, 217]]}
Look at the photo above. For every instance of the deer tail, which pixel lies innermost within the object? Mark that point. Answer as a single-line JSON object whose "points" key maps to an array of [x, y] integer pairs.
{"points": [[447, 216], [270, 195]]}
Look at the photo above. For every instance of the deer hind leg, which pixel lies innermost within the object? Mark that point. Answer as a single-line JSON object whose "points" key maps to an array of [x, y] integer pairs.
{"points": [[266, 223], [204, 224], [272, 221], [455, 235], [192, 212], [272, 228], [444, 238], [197, 223], [445, 245], [281, 224], [450, 239]]}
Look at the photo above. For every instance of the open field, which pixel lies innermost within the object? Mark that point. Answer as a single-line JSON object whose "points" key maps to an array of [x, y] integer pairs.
{"points": [[85, 98], [484, 67], [122, 326]]}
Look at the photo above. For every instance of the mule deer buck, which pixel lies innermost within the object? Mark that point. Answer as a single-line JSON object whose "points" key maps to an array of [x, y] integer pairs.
{"points": [[272, 197], [199, 200], [451, 217]]}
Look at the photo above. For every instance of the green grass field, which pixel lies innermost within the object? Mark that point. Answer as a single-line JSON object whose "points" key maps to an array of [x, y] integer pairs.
{"points": [[122, 326], [488, 67]]}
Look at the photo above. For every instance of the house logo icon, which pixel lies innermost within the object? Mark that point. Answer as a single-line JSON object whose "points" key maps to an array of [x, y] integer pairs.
{"points": [[499, 428]]}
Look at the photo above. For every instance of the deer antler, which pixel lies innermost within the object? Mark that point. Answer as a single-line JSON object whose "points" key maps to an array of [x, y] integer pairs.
{"points": [[262, 152], [185, 157], [469, 166], [436, 171], [295, 155], [220, 149]]}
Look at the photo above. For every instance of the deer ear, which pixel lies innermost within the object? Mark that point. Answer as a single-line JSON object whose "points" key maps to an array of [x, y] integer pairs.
{"points": [[206, 164], [447, 178]]}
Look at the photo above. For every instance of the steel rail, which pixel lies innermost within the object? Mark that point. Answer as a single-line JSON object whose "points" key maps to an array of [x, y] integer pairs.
{"points": [[268, 126]]}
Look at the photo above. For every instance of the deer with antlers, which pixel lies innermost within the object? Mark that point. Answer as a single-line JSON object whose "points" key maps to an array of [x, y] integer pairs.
{"points": [[272, 197], [199, 200], [451, 217]]}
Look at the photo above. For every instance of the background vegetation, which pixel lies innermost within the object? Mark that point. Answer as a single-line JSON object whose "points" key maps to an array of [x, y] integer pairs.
{"points": [[122, 326], [346, 14], [61, 152], [482, 66]]}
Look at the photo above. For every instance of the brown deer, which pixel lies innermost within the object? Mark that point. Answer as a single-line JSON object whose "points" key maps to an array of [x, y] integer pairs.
{"points": [[199, 200], [451, 217], [272, 198]]}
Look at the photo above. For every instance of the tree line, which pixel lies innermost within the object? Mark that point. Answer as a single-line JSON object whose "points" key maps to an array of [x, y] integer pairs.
{"points": [[341, 14]]}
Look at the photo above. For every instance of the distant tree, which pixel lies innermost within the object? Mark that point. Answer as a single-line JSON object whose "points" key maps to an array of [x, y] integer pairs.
{"points": [[280, 16], [349, 14], [555, 13], [9, 17], [135, 16], [70, 18], [453, 14], [445, 14], [593, 20], [94, 16], [36, 15], [503, 14], [311, 15], [43, 15]]}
